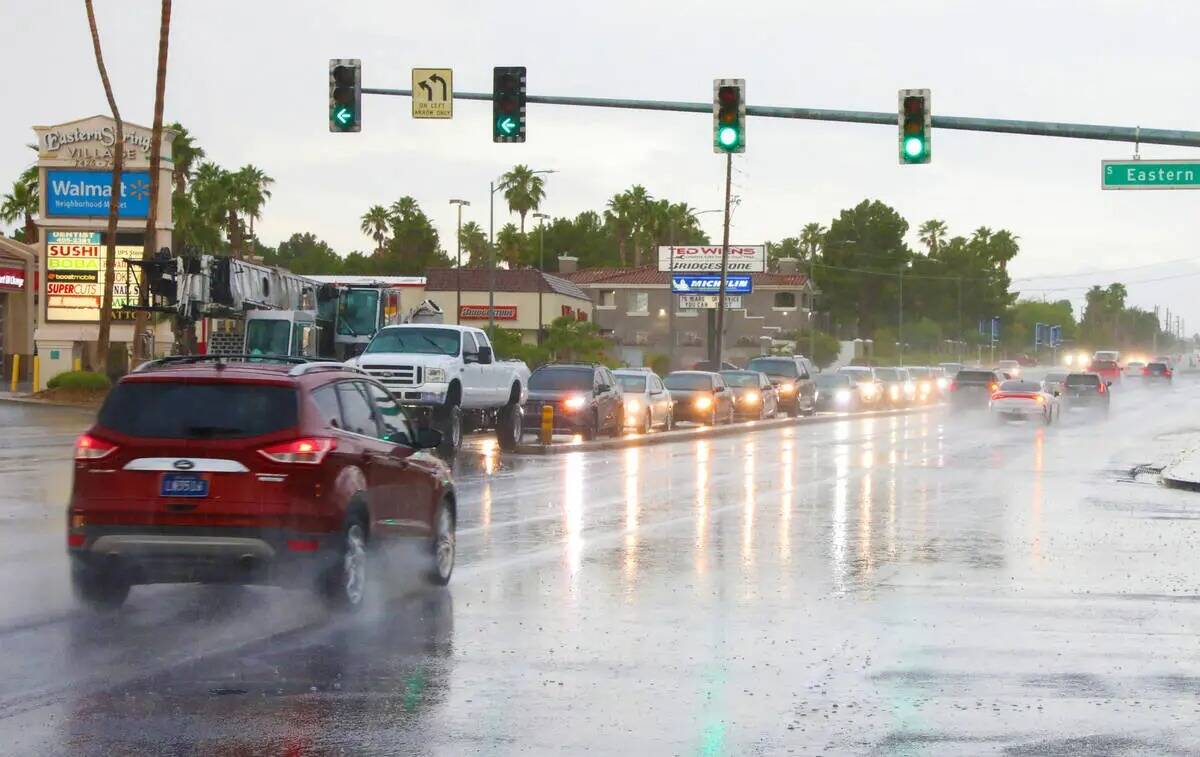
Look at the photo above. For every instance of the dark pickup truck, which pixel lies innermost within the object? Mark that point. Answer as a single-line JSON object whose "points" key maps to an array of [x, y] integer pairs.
{"points": [[972, 389]]}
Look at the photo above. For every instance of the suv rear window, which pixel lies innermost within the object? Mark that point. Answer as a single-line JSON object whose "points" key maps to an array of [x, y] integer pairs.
{"points": [[551, 379], [1083, 379], [177, 410], [1104, 365]]}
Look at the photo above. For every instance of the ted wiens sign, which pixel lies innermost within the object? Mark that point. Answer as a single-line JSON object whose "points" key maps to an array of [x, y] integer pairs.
{"points": [[707, 258]]}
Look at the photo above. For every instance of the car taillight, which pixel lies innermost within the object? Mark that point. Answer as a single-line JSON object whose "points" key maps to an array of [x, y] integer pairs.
{"points": [[75, 541], [307, 451], [1145, 371], [993, 388], [303, 545], [88, 447], [954, 386], [1100, 386]]}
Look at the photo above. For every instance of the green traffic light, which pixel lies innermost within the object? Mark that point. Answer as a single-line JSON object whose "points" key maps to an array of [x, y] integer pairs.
{"points": [[914, 147], [727, 137]]}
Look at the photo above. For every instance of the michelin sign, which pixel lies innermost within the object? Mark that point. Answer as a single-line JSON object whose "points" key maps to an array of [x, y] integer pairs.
{"points": [[692, 284], [85, 194]]}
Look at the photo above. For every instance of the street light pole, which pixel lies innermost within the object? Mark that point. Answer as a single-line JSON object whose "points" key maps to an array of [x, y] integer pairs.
{"points": [[541, 269], [720, 338], [492, 187], [812, 311], [458, 270]]}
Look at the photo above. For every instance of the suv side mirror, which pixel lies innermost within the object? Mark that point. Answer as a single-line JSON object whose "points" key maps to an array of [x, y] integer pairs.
{"points": [[484, 355], [602, 388]]}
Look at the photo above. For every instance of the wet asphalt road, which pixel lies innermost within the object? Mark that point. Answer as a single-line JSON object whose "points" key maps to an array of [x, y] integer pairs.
{"points": [[912, 585]]}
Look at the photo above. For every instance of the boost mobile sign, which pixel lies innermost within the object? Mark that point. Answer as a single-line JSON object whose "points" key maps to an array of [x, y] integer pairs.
{"points": [[707, 258]]}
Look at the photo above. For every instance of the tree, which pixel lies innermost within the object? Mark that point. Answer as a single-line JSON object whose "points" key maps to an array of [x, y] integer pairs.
{"points": [[218, 201], [149, 241], [812, 240], [619, 215], [510, 246], [933, 235], [375, 223], [414, 246], [788, 247], [474, 243], [868, 237], [21, 203], [185, 156], [523, 190], [568, 339], [252, 187], [114, 200], [305, 254]]}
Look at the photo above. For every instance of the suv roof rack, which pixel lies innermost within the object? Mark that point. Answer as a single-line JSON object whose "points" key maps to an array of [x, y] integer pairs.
{"points": [[301, 364]]}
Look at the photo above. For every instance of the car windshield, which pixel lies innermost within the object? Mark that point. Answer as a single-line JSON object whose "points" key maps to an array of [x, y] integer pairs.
{"points": [[1083, 379], [919, 373], [557, 379], [268, 337], [358, 312], [632, 384], [861, 375], [774, 367], [833, 380], [740, 378], [194, 410], [889, 374], [1157, 367], [975, 377], [1055, 378], [688, 382], [420, 341]]}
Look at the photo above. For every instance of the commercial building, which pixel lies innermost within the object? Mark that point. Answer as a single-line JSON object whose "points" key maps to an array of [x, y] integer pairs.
{"points": [[18, 269], [75, 177], [635, 307], [524, 298]]}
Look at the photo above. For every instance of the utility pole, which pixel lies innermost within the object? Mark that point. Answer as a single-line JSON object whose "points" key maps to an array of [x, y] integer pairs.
{"points": [[458, 270], [720, 338], [812, 311], [541, 270], [491, 258], [900, 317], [960, 331]]}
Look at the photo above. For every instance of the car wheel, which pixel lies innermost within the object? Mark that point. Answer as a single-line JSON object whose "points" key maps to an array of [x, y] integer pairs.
{"points": [[618, 422], [794, 412], [593, 430], [443, 546], [647, 422], [670, 423], [344, 585], [509, 427], [448, 420], [99, 590]]}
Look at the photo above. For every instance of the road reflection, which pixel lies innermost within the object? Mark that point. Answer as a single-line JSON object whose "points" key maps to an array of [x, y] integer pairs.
{"points": [[573, 508], [629, 564], [701, 506]]}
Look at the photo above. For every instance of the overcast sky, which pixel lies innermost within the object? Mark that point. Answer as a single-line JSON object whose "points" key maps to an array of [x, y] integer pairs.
{"points": [[249, 81]]}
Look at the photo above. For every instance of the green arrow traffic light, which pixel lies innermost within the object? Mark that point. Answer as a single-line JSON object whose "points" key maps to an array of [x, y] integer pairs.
{"points": [[506, 125], [343, 115]]}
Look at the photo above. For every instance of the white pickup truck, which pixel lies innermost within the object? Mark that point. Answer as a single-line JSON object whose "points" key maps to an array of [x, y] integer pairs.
{"points": [[451, 374]]}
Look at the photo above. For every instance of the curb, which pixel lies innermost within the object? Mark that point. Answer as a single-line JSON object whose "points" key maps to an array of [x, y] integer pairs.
{"points": [[48, 403], [710, 432]]}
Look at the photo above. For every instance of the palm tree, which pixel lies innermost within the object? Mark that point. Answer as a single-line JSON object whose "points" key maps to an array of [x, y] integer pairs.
{"points": [[149, 241], [219, 199], [509, 243], [22, 203], [102, 338], [253, 189], [619, 214], [812, 240], [933, 235], [185, 155], [523, 190], [474, 241], [641, 206], [375, 224]]}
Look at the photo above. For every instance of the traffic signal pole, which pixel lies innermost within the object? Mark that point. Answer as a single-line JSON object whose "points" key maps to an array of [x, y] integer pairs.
{"points": [[720, 338], [1065, 130]]}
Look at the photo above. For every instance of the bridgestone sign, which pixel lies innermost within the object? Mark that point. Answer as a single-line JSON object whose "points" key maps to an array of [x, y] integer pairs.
{"points": [[480, 313], [690, 259]]}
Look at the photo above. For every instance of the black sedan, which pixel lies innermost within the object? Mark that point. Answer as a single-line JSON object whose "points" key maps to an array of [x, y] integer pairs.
{"points": [[838, 393]]}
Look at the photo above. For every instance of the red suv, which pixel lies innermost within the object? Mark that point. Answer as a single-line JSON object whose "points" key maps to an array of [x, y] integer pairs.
{"points": [[248, 470]]}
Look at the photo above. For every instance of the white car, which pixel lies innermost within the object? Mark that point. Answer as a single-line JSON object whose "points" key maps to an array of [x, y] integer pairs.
{"points": [[1016, 399], [1133, 369], [647, 400], [449, 374], [1009, 367]]}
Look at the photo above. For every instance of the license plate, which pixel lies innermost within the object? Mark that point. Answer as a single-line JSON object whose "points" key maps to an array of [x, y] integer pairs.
{"points": [[183, 485]]}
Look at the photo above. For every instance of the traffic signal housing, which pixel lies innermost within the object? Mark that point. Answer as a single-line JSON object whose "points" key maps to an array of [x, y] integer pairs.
{"points": [[345, 94], [508, 104], [729, 115], [915, 126]]}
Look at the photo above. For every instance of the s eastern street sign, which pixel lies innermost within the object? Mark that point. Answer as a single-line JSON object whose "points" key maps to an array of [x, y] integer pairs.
{"points": [[1150, 174], [432, 93], [703, 284], [689, 259], [84, 194], [708, 301], [480, 312]]}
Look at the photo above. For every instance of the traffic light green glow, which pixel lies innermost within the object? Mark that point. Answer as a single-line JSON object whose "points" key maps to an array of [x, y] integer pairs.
{"points": [[727, 136], [914, 147], [343, 115]]}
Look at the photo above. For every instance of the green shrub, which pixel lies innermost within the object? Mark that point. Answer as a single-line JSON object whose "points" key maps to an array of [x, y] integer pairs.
{"points": [[659, 363], [80, 380]]}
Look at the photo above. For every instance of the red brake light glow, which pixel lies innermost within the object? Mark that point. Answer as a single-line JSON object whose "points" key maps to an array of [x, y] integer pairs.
{"points": [[88, 447], [75, 541], [307, 451], [303, 545]]}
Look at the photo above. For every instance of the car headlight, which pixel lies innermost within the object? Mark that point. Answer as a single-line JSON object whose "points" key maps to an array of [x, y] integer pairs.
{"points": [[435, 375], [868, 390], [925, 387], [632, 405], [894, 392], [703, 403], [786, 389], [574, 402], [942, 383], [751, 398], [842, 396]]}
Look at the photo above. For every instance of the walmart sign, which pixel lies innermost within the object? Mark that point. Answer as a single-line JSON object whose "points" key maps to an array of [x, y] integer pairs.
{"points": [[85, 194], [688, 284]]}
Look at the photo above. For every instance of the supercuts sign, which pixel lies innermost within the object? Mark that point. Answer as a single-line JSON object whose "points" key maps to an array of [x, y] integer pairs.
{"points": [[689, 259]]}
